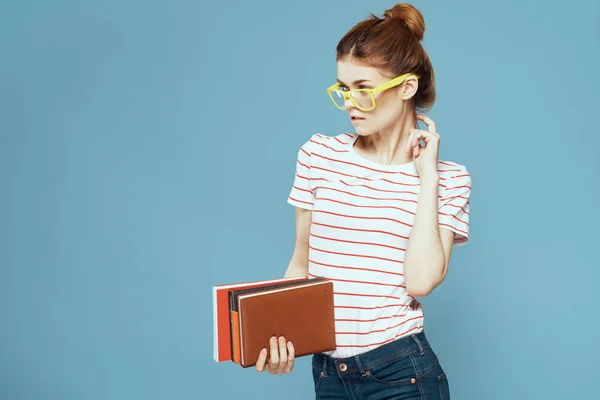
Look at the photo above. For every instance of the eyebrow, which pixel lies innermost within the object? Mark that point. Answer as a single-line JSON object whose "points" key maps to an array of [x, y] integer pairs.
{"points": [[355, 82]]}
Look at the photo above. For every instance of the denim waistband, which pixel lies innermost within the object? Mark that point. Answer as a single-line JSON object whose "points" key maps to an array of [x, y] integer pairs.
{"points": [[383, 354]]}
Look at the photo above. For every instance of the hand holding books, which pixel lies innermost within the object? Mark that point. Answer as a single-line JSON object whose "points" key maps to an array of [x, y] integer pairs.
{"points": [[269, 324], [281, 359]]}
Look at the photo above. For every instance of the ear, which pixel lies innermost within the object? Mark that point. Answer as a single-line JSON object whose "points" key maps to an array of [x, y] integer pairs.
{"points": [[409, 87]]}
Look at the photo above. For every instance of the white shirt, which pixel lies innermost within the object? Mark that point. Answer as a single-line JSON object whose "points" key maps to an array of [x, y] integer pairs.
{"points": [[362, 215]]}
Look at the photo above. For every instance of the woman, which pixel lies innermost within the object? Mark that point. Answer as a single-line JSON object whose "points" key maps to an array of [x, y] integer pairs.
{"points": [[378, 214]]}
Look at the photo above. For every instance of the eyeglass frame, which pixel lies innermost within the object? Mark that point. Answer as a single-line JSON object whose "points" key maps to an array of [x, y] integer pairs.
{"points": [[384, 86]]}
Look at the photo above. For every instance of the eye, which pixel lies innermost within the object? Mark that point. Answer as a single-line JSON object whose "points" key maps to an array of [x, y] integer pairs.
{"points": [[343, 88], [363, 87]]}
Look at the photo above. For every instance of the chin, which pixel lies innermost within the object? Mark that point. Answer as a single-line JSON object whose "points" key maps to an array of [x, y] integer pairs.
{"points": [[363, 131]]}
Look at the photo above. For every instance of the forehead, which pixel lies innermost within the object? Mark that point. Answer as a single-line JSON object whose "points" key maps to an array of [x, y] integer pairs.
{"points": [[349, 71]]}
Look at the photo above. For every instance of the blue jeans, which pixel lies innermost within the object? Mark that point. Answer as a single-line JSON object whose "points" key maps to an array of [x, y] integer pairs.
{"points": [[406, 368]]}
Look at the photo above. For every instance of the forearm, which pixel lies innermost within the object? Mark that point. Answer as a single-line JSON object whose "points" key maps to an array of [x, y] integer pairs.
{"points": [[296, 269], [424, 265]]}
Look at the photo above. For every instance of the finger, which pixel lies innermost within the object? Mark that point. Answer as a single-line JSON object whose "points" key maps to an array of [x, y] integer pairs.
{"points": [[428, 121], [262, 358], [283, 356], [427, 137], [407, 146], [274, 356], [291, 357], [419, 134]]}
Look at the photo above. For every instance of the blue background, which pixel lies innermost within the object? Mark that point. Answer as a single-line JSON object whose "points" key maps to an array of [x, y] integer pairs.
{"points": [[147, 149]]}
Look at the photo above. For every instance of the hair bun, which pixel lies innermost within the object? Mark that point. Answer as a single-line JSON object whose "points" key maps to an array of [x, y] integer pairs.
{"points": [[410, 16]]}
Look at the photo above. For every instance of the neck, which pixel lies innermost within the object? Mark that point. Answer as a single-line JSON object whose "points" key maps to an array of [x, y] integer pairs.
{"points": [[387, 145]]}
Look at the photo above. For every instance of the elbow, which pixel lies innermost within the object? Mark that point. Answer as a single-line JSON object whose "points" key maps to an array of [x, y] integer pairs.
{"points": [[421, 286], [419, 289]]}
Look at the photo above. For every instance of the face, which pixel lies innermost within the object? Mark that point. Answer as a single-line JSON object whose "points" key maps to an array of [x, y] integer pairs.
{"points": [[389, 104]]}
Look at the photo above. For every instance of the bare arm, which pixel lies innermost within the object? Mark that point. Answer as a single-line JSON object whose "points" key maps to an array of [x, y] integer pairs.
{"points": [[429, 247], [298, 265]]}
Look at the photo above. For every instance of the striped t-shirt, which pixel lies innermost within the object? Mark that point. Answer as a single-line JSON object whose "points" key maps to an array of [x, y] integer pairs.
{"points": [[362, 214]]}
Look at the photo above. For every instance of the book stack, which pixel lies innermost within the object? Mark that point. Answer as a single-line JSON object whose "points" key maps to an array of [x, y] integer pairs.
{"points": [[247, 315]]}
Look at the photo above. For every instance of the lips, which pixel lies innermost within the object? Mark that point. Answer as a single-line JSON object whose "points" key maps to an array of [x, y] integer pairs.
{"points": [[355, 118]]}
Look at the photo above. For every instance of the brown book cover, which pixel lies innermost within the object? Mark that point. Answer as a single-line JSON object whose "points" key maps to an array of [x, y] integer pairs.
{"points": [[303, 313], [233, 308]]}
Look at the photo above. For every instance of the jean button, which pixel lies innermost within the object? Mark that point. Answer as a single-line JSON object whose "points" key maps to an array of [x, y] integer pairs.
{"points": [[343, 367], [413, 380]]}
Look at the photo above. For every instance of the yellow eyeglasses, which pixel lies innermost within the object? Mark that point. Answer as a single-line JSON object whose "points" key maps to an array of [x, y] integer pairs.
{"points": [[363, 99]]}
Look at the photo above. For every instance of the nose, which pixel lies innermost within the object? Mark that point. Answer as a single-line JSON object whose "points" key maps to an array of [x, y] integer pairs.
{"points": [[348, 103]]}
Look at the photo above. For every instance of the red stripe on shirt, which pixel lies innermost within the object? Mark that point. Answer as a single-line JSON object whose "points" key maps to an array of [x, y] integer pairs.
{"points": [[311, 179], [362, 196], [363, 282], [363, 206], [369, 320], [354, 242], [361, 230], [452, 205], [380, 330], [380, 343], [448, 164], [372, 308], [355, 255], [303, 190], [383, 190], [459, 187], [300, 201], [335, 137], [316, 167], [330, 148], [367, 295], [363, 166], [359, 217], [453, 216], [444, 199], [356, 268]]}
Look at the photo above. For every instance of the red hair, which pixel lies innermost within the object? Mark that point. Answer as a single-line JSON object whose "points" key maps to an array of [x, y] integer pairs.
{"points": [[393, 45]]}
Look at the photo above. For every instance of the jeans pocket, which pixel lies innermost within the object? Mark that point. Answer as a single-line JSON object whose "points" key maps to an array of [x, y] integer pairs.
{"points": [[443, 386], [318, 377], [399, 371]]}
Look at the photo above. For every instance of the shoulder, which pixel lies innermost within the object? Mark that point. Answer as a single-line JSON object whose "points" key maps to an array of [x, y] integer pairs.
{"points": [[320, 142], [451, 171]]}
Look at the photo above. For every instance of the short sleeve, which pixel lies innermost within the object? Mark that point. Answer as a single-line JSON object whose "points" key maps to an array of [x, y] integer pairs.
{"points": [[453, 212], [301, 194]]}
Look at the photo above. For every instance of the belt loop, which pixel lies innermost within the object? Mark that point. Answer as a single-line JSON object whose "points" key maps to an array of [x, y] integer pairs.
{"points": [[325, 358], [359, 365], [416, 339]]}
